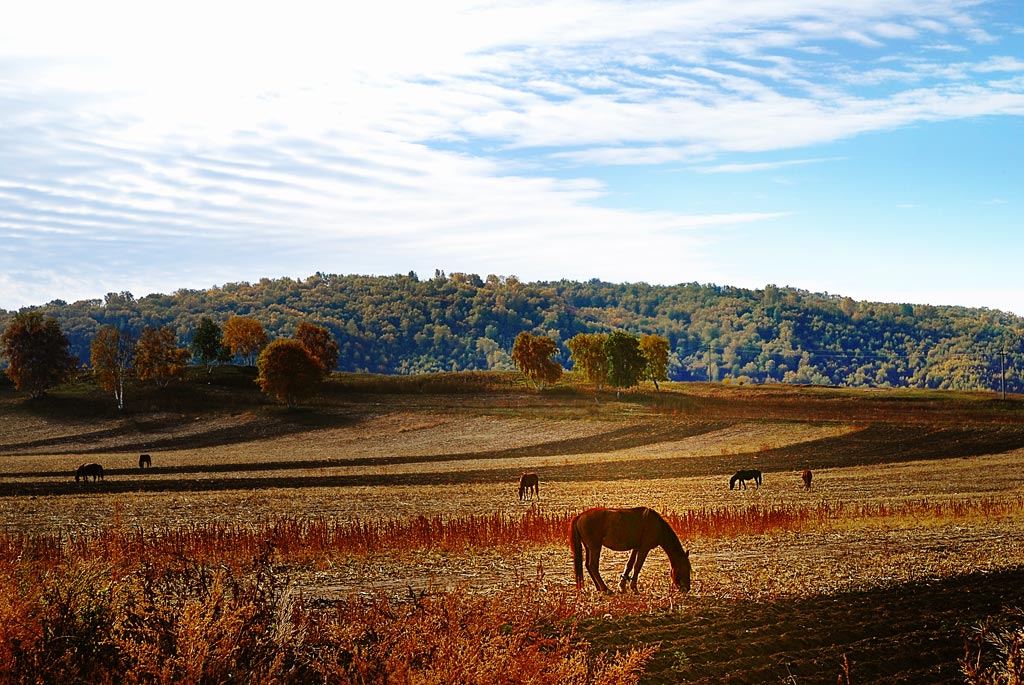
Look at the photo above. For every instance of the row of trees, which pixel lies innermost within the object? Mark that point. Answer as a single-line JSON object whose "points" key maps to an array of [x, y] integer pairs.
{"points": [[403, 324], [618, 359], [38, 355]]}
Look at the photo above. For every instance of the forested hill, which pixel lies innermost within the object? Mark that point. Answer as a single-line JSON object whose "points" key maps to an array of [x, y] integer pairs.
{"points": [[404, 324]]}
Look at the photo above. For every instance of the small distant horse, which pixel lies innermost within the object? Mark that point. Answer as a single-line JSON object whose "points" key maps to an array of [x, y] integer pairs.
{"points": [[145, 460], [529, 484], [89, 469], [742, 477], [638, 529], [806, 476]]}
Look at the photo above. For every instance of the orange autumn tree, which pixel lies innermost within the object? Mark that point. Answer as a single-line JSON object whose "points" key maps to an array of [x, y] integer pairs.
{"points": [[320, 344], [288, 372], [245, 337], [37, 353], [157, 357]]}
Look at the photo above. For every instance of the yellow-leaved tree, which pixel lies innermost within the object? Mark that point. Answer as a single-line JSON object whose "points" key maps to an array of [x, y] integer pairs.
{"points": [[654, 348], [588, 358], [532, 354], [157, 356], [245, 337], [111, 357]]}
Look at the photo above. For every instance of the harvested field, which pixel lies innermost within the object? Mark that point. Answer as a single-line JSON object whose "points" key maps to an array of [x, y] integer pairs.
{"points": [[909, 536]]}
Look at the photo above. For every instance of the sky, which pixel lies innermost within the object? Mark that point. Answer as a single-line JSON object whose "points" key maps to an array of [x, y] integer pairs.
{"points": [[871, 149]]}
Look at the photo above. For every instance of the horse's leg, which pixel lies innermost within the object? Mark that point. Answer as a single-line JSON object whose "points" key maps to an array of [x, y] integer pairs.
{"points": [[641, 557], [627, 571], [594, 568]]}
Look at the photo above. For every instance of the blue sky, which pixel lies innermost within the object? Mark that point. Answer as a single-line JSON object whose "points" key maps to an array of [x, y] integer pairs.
{"points": [[873, 149]]}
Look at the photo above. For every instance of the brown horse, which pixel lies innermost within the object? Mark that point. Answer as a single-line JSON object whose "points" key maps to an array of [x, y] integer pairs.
{"points": [[529, 483], [145, 460], [89, 469], [638, 529], [806, 476]]}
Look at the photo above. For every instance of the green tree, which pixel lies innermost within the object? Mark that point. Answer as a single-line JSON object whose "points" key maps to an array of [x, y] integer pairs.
{"points": [[208, 344], [654, 348], [625, 361], [588, 357], [288, 372], [37, 353], [320, 344], [245, 337], [111, 360], [157, 356], [532, 354]]}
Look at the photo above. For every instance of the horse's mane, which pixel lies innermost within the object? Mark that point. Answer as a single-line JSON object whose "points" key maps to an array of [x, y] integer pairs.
{"points": [[671, 543]]}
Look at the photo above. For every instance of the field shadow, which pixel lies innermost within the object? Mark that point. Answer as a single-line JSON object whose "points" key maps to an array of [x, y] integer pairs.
{"points": [[143, 435], [872, 445], [907, 633]]}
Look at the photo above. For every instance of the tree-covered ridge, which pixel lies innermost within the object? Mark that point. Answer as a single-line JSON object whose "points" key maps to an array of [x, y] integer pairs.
{"points": [[404, 324]]}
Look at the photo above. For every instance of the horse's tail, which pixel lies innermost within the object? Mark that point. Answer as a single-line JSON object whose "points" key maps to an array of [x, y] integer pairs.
{"points": [[577, 551], [758, 477], [99, 469]]}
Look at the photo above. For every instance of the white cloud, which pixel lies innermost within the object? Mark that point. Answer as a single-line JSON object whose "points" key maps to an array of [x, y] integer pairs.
{"points": [[760, 166], [448, 127]]}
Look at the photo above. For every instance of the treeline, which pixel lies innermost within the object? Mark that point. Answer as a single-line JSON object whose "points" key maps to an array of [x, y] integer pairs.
{"points": [[403, 324]]}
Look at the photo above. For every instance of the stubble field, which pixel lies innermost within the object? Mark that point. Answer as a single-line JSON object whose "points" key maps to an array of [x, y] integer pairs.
{"points": [[908, 540]]}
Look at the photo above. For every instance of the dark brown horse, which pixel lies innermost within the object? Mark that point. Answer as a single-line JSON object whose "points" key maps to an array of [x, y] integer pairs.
{"points": [[638, 529], [145, 460], [89, 469], [529, 484], [742, 477], [806, 476]]}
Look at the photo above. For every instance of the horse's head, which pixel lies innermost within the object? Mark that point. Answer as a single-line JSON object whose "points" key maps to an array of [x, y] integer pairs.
{"points": [[681, 572]]}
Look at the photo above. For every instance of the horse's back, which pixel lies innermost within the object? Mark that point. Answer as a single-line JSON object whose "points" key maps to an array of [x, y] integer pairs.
{"points": [[617, 529]]}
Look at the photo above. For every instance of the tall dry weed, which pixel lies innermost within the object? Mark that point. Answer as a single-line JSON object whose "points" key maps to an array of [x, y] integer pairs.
{"points": [[184, 623], [994, 651]]}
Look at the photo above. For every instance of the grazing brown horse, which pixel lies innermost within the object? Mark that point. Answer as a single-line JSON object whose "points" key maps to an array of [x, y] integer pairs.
{"points": [[638, 529], [145, 460], [806, 476], [743, 476], [529, 483], [89, 469]]}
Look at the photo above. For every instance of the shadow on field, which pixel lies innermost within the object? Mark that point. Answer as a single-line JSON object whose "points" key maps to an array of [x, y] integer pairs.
{"points": [[872, 445], [143, 435], [911, 633]]}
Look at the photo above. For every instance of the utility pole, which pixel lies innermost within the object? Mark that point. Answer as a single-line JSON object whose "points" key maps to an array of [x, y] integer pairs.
{"points": [[709, 362], [1002, 372]]}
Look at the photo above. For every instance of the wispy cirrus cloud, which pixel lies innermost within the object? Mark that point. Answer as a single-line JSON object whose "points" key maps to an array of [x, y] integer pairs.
{"points": [[761, 166]]}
